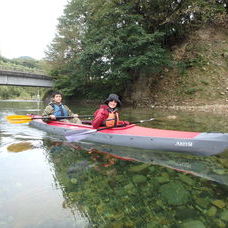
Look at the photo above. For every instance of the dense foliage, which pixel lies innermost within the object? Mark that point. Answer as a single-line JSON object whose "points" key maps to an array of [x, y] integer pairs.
{"points": [[23, 64], [104, 46], [21, 93]]}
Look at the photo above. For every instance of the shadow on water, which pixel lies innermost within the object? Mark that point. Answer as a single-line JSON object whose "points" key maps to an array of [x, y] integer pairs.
{"points": [[52, 183]]}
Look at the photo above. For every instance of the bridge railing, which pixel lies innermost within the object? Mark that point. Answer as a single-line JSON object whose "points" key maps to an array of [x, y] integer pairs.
{"points": [[19, 69]]}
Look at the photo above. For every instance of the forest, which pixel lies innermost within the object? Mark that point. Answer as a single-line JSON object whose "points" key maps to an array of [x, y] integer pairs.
{"points": [[104, 46]]}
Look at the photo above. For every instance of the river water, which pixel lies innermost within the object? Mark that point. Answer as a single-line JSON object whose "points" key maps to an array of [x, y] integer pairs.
{"points": [[48, 182]]}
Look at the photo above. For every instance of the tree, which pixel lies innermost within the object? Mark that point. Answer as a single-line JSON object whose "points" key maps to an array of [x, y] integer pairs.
{"points": [[105, 45]]}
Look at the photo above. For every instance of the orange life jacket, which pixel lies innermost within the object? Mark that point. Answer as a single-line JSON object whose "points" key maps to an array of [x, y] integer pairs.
{"points": [[112, 120]]}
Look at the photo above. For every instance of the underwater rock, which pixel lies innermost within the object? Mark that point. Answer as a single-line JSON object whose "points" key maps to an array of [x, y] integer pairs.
{"points": [[224, 215], [138, 168], [129, 187], [162, 179], [183, 213], [218, 203], [73, 180], [219, 223], [212, 211], [186, 179], [139, 179], [202, 202], [174, 193], [193, 223], [152, 169]]}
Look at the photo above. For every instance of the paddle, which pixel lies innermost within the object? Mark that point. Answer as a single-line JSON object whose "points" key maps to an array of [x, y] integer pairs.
{"points": [[15, 119], [77, 135]]}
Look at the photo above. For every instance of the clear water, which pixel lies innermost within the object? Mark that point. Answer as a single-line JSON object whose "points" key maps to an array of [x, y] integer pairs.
{"points": [[47, 182]]}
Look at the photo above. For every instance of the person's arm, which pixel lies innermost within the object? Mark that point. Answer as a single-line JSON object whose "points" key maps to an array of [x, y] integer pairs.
{"points": [[121, 122], [99, 116], [70, 113], [48, 112]]}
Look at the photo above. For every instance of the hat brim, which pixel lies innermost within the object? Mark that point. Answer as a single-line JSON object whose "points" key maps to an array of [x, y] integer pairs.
{"points": [[117, 100]]}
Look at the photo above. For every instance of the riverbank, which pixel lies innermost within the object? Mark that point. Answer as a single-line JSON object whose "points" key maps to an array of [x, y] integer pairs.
{"points": [[216, 108], [219, 107]]}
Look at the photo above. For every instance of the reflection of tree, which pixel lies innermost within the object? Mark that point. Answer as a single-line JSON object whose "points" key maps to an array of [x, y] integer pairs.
{"points": [[118, 193]]}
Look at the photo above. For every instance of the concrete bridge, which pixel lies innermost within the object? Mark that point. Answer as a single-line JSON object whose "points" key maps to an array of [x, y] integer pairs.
{"points": [[25, 79]]}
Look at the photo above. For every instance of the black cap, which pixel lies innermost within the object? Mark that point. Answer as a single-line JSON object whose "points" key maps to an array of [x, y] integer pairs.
{"points": [[113, 97]]}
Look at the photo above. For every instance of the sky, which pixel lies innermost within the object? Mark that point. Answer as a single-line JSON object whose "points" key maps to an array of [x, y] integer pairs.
{"points": [[28, 26]]}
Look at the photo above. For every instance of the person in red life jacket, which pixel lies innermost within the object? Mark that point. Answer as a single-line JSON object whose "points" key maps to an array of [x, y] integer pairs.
{"points": [[57, 109], [107, 114]]}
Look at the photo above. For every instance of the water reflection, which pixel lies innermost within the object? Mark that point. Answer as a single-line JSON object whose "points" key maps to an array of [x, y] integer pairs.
{"points": [[121, 193], [52, 183], [20, 147]]}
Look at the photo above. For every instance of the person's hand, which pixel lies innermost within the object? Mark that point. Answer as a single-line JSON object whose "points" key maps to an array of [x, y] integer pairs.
{"points": [[75, 115], [123, 123], [53, 117], [126, 122]]}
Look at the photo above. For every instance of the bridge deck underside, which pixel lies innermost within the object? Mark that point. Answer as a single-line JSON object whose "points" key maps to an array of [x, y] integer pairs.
{"points": [[25, 79]]}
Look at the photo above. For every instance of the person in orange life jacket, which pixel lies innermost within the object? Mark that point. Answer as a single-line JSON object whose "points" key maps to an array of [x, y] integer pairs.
{"points": [[57, 109], [107, 114]]}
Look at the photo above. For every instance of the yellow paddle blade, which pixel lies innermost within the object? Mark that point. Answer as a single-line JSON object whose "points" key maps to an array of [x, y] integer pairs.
{"points": [[15, 119], [18, 121], [19, 117]]}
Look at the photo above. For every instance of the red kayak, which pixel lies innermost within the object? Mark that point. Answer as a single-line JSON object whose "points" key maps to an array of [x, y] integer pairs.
{"points": [[196, 143]]}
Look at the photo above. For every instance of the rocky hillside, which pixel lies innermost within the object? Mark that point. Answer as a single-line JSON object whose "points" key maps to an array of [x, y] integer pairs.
{"points": [[201, 78]]}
